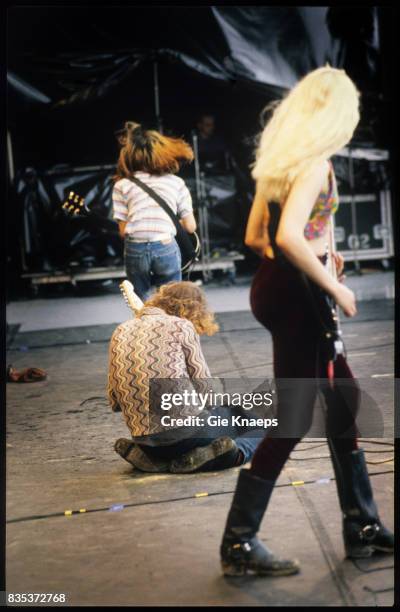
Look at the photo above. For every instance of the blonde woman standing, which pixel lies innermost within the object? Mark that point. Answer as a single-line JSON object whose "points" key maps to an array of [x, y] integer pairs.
{"points": [[293, 171]]}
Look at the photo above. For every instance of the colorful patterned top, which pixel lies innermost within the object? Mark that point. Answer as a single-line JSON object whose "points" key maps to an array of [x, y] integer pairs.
{"points": [[326, 205]]}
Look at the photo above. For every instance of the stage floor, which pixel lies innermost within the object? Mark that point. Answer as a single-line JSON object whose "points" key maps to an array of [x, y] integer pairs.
{"points": [[162, 547], [103, 305]]}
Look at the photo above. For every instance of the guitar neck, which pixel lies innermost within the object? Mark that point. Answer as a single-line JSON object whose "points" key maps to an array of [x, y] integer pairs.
{"points": [[131, 298], [331, 246], [332, 263]]}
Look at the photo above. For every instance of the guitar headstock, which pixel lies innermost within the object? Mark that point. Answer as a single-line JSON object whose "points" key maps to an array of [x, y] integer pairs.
{"points": [[75, 205], [132, 300]]}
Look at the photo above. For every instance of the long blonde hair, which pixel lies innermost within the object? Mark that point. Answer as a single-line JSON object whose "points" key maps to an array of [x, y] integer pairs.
{"points": [[316, 119]]}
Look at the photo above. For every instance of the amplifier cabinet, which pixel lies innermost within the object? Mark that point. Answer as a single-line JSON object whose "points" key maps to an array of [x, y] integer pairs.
{"points": [[363, 231]]}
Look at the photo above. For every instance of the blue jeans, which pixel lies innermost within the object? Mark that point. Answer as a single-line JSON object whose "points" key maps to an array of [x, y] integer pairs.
{"points": [[151, 263], [246, 442]]}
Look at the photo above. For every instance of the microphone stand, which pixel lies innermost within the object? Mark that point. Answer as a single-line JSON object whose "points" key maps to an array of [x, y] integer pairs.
{"points": [[202, 211], [157, 96]]}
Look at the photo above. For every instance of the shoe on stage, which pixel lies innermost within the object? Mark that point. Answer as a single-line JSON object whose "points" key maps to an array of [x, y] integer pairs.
{"points": [[222, 452], [134, 455]]}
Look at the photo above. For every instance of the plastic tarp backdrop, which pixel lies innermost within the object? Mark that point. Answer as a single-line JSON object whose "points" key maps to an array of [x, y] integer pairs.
{"points": [[71, 72]]}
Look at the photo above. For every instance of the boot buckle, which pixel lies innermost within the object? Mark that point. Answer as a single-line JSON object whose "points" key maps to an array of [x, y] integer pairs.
{"points": [[246, 546], [369, 532]]}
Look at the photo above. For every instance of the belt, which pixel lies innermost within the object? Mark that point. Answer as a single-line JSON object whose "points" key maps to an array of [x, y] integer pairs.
{"points": [[166, 241]]}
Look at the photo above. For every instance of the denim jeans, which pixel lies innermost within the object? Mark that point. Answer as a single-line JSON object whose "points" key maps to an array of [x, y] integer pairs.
{"points": [[151, 263], [246, 442]]}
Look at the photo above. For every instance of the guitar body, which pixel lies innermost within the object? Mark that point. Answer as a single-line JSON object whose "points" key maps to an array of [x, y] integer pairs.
{"points": [[325, 307], [188, 259]]}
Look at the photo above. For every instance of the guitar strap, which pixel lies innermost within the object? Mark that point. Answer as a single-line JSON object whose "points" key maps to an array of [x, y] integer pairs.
{"points": [[159, 200], [188, 251]]}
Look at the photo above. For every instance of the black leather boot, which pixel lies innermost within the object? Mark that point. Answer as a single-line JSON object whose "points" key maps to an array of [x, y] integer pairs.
{"points": [[241, 551], [363, 531]]}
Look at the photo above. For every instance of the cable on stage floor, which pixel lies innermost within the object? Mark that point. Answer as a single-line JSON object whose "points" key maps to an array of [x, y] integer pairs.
{"points": [[313, 458], [374, 452], [116, 508], [376, 592], [69, 513], [299, 450], [391, 459], [363, 440], [97, 398], [366, 451], [270, 363], [372, 570]]}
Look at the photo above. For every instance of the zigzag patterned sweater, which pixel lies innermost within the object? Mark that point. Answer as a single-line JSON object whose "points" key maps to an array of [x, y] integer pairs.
{"points": [[153, 345]]}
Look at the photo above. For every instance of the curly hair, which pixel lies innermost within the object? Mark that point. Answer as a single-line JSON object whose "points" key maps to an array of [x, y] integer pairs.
{"points": [[149, 151], [186, 300]]}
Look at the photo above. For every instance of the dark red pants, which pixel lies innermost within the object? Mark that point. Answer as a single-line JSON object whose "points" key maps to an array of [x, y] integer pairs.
{"points": [[280, 302]]}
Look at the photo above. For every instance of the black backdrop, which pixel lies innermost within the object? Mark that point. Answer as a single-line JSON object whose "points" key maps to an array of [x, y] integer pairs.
{"points": [[94, 66], [75, 74]]}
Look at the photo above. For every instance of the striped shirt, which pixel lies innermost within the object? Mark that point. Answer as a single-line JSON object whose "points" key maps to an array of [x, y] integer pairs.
{"points": [[145, 219]]}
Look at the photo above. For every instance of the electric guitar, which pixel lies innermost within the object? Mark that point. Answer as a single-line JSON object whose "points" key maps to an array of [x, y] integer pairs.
{"points": [[75, 206], [328, 314], [132, 300], [323, 305]]}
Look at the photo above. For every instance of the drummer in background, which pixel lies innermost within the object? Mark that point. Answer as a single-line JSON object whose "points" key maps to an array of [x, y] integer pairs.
{"points": [[213, 151]]}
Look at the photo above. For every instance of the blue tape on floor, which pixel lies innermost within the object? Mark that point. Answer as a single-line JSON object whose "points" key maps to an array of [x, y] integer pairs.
{"points": [[117, 508]]}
